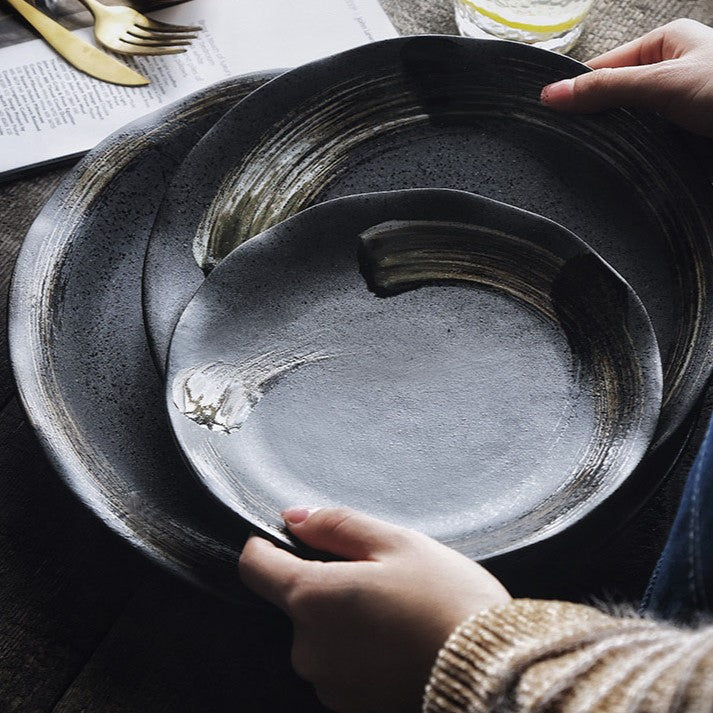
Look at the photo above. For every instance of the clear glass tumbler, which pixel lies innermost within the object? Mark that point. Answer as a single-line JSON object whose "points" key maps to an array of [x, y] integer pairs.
{"points": [[551, 24]]}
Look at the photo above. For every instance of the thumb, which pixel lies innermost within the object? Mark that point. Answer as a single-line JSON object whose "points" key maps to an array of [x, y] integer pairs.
{"points": [[609, 87], [343, 532]]}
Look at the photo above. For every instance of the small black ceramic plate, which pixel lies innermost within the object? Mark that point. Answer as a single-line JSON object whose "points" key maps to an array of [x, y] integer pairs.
{"points": [[435, 358], [446, 112], [79, 350]]}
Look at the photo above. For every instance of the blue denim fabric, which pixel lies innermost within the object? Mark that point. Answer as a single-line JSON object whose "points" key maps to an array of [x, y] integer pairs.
{"points": [[681, 587]]}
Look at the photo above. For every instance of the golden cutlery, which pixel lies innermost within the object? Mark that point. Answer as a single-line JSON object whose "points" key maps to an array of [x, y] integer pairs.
{"points": [[124, 30], [77, 52]]}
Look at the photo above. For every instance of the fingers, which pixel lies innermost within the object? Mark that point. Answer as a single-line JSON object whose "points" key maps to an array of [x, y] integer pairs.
{"points": [[607, 88], [643, 50], [632, 54], [274, 574], [644, 72], [269, 571], [343, 532], [667, 42]]}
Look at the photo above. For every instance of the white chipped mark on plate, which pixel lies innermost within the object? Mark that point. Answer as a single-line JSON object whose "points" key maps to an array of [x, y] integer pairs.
{"points": [[221, 396]]}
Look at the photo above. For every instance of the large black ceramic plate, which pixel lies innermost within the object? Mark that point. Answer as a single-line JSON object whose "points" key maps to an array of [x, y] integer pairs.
{"points": [[79, 350], [434, 358], [454, 113]]}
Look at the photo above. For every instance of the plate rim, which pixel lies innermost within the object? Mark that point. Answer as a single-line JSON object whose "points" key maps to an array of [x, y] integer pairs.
{"points": [[694, 379], [653, 379], [25, 346]]}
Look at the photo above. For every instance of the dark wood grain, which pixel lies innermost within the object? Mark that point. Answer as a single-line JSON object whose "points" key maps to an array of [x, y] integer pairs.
{"points": [[86, 624], [176, 650], [20, 202], [63, 576]]}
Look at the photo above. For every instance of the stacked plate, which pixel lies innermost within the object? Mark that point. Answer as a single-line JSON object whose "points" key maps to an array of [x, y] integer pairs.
{"points": [[389, 279]]}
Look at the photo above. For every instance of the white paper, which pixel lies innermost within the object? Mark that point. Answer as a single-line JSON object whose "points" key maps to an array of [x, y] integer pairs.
{"points": [[50, 110]]}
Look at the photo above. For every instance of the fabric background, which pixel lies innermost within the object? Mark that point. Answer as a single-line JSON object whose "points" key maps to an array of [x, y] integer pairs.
{"points": [[610, 23]]}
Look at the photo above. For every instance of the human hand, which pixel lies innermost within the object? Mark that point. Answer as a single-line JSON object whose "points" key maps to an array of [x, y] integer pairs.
{"points": [[367, 630], [668, 70]]}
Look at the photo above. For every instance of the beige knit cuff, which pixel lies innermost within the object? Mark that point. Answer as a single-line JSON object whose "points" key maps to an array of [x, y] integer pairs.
{"points": [[483, 658]]}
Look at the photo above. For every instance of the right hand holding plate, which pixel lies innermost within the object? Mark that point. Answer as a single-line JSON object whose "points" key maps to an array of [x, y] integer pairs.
{"points": [[668, 70]]}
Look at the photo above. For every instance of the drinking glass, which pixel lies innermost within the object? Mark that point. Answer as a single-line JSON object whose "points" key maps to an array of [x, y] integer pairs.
{"points": [[551, 24]]}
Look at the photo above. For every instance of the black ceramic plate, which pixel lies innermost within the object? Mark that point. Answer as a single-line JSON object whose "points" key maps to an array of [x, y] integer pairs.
{"points": [[434, 358], [453, 113], [79, 349]]}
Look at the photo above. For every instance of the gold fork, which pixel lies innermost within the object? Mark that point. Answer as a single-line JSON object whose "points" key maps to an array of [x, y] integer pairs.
{"points": [[124, 30]]}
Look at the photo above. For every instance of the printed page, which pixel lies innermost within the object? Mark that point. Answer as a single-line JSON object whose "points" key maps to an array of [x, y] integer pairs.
{"points": [[48, 109]]}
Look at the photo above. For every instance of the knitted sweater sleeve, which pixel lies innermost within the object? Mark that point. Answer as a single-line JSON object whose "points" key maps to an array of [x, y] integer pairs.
{"points": [[556, 657]]}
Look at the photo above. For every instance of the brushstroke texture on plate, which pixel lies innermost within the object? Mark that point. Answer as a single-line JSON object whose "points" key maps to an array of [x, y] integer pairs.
{"points": [[79, 349], [453, 113], [435, 358]]}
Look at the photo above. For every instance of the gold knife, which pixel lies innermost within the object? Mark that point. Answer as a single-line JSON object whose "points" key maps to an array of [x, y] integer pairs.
{"points": [[77, 52]]}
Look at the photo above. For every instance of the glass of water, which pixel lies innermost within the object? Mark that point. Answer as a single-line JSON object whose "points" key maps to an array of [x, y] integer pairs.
{"points": [[551, 24]]}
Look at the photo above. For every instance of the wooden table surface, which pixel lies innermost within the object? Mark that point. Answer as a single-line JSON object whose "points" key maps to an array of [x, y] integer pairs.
{"points": [[87, 624]]}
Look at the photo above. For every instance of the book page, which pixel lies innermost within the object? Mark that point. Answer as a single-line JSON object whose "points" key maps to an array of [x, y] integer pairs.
{"points": [[48, 109]]}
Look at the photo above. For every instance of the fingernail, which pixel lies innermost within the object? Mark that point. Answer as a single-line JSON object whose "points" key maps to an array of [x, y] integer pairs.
{"points": [[557, 93], [295, 516]]}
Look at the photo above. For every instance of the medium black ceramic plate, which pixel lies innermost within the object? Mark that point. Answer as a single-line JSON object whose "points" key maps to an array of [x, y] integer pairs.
{"points": [[79, 349], [434, 358], [453, 113]]}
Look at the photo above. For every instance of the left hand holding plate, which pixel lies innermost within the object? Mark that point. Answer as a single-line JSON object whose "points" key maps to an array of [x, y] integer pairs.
{"points": [[367, 630]]}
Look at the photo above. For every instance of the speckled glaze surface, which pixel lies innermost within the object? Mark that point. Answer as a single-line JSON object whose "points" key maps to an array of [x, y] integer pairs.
{"points": [[432, 357], [79, 349], [450, 112]]}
